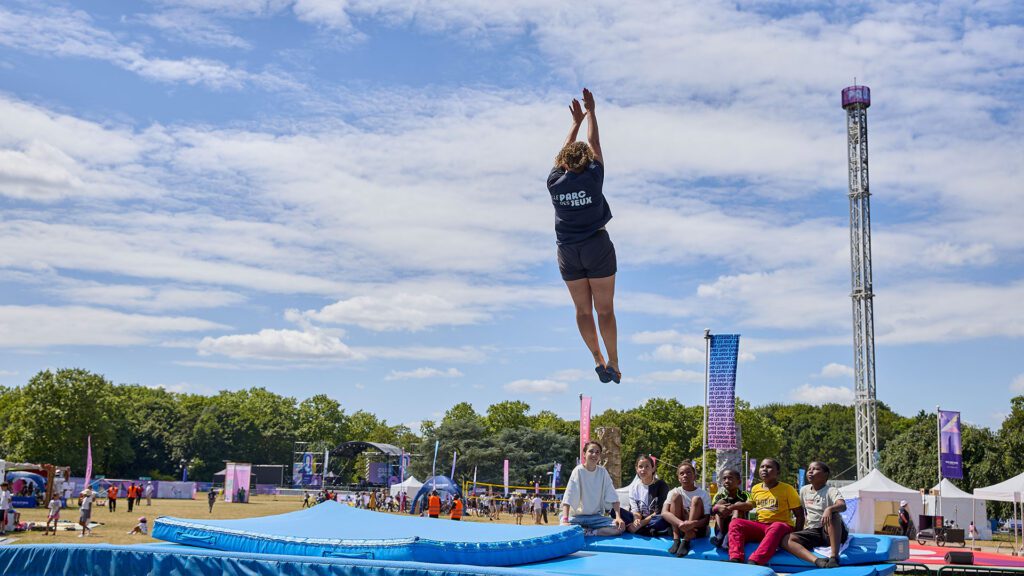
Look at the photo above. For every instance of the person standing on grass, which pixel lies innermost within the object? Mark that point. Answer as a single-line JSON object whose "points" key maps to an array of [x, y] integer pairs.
{"points": [[779, 512], [211, 498], [687, 510], [586, 255], [85, 511], [5, 503], [148, 492], [53, 516], [131, 497], [824, 525]]}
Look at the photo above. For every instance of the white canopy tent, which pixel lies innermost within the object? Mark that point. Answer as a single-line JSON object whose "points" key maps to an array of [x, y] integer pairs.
{"points": [[1011, 490], [874, 497], [959, 506], [410, 486]]}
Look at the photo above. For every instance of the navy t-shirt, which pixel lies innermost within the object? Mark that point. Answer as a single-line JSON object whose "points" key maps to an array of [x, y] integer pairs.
{"points": [[580, 207]]}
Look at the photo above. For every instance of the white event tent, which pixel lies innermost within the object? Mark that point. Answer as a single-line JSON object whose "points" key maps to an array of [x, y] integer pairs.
{"points": [[410, 486], [958, 506], [1011, 490], [873, 497]]}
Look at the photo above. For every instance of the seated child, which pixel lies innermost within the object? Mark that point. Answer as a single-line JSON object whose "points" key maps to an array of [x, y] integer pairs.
{"points": [[141, 527], [647, 496], [824, 526], [588, 494], [778, 513], [725, 505], [687, 510]]}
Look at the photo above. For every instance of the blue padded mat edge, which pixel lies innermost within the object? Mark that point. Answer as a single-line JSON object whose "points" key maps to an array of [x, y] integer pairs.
{"points": [[178, 560]]}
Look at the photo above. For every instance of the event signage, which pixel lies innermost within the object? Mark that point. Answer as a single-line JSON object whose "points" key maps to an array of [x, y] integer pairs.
{"points": [[722, 391], [455, 458], [584, 423], [554, 477], [950, 453], [88, 460], [752, 467]]}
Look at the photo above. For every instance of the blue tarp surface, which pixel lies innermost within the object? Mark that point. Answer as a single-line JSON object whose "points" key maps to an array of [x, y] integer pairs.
{"points": [[174, 560], [863, 549], [333, 529]]}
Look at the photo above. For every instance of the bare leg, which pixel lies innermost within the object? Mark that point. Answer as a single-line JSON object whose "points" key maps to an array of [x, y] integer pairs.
{"points": [[834, 533], [604, 295], [607, 531], [583, 298], [696, 519], [797, 550]]}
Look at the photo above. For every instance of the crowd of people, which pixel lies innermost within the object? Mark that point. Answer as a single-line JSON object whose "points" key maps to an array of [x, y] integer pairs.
{"points": [[772, 513]]}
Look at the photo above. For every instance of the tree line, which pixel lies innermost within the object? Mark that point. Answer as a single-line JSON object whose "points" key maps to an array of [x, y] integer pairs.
{"points": [[141, 431]]}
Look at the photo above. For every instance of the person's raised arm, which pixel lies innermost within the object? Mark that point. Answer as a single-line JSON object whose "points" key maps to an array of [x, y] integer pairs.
{"points": [[577, 120], [593, 138]]}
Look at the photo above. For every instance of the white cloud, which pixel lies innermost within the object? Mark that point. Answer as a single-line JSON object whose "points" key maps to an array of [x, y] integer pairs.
{"points": [[570, 375], [270, 344], [420, 373], [150, 298], [43, 326], [71, 33], [670, 353], [400, 312], [194, 27], [822, 394], [835, 370], [1018, 384], [678, 375], [466, 354], [536, 386]]}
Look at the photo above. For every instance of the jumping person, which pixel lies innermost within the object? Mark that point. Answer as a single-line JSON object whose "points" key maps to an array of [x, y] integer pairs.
{"points": [[687, 509], [588, 494], [586, 255], [725, 506], [824, 525], [779, 512], [647, 495]]}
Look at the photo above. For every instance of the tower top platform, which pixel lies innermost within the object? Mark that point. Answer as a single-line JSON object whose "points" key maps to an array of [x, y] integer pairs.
{"points": [[854, 95]]}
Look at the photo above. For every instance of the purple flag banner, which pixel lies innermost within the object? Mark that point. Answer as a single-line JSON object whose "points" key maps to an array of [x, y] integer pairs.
{"points": [[506, 477], [950, 453], [752, 467], [88, 460], [722, 391]]}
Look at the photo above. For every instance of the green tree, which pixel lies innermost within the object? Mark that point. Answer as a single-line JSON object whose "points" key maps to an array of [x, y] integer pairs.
{"points": [[461, 411], [911, 458], [52, 416], [508, 414], [322, 422]]}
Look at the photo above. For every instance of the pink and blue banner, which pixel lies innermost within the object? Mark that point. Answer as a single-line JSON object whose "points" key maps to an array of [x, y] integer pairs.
{"points": [[554, 477], [455, 458], [722, 391], [751, 469], [88, 460], [950, 451], [584, 423]]}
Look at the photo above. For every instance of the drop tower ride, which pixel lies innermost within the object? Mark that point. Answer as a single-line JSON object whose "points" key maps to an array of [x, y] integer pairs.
{"points": [[856, 100]]}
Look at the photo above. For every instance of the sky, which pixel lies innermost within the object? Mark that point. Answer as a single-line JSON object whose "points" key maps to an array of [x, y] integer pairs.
{"points": [[347, 197]]}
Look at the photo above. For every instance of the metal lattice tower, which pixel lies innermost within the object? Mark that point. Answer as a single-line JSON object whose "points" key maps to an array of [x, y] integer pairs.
{"points": [[856, 100]]}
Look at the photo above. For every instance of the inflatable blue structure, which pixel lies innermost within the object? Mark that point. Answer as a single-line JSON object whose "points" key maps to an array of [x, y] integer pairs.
{"points": [[443, 485]]}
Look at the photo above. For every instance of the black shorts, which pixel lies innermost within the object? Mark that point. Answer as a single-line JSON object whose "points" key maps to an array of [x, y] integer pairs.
{"points": [[591, 258], [812, 538]]}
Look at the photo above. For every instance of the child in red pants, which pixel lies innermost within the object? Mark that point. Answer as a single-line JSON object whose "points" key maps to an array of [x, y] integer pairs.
{"points": [[779, 511]]}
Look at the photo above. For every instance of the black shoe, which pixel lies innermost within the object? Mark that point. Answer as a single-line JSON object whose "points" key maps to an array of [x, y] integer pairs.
{"points": [[833, 562], [683, 550], [821, 562], [716, 541], [674, 548], [602, 374]]}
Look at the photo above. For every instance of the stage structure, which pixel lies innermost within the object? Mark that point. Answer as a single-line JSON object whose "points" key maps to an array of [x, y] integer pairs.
{"points": [[383, 462], [856, 100]]}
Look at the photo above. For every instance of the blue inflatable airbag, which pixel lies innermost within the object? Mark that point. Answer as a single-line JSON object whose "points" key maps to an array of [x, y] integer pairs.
{"points": [[333, 530]]}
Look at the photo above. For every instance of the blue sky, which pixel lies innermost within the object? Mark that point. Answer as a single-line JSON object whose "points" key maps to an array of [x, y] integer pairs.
{"points": [[347, 197]]}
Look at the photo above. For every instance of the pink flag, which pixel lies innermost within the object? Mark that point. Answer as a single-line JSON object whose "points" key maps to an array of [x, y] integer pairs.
{"points": [[584, 422], [88, 461], [506, 477]]}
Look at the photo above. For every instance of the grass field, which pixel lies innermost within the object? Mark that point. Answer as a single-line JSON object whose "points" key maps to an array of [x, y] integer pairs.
{"points": [[114, 526]]}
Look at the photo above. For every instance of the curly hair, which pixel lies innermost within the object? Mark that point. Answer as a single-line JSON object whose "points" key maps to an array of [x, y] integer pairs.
{"points": [[575, 155]]}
